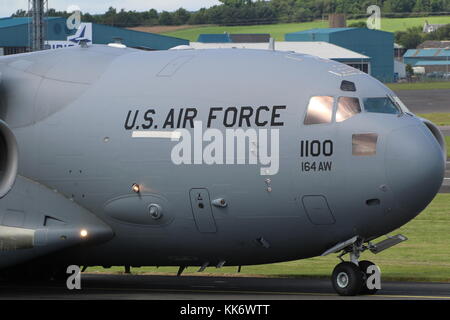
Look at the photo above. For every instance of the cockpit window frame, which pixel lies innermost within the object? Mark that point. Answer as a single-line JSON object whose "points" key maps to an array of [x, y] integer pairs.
{"points": [[399, 103]]}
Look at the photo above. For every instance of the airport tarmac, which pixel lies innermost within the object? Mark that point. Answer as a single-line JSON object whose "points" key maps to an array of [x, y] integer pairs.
{"points": [[156, 287], [445, 188], [426, 101]]}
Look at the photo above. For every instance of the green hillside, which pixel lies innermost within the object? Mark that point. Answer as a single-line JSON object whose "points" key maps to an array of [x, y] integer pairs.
{"points": [[279, 30]]}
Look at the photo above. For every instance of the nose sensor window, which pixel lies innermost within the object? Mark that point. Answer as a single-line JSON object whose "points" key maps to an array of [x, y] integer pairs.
{"points": [[320, 110], [347, 108], [364, 144]]}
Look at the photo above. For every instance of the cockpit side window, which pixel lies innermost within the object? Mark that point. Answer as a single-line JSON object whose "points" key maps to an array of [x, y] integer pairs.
{"points": [[381, 105], [320, 110], [347, 108]]}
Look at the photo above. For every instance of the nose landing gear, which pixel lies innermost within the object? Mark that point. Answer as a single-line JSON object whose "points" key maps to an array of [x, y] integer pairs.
{"points": [[358, 277], [350, 279]]}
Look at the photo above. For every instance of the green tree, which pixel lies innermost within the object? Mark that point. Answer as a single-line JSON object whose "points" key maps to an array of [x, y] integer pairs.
{"points": [[359, 24], [409, 71], [181, 16], [410, 38], [422, 6], [19, 13], [437, 5], [165, 19], [199, 17], [236, 3]]}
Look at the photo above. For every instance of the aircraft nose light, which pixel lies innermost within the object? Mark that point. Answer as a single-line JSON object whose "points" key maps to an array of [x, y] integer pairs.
{"points": [[414, 167], [83, 233], [136, 188]]}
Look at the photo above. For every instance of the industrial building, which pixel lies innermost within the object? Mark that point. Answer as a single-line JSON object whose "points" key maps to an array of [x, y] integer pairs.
{"points": [[14, 36], [319, 49], [234, 38], [378, 45], [432, 60]]}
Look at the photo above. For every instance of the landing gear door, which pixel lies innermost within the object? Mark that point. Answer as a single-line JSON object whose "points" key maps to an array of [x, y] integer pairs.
{"points": [[201, 209]]}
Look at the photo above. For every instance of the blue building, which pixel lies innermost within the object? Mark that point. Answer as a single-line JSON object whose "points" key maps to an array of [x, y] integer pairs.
{"points": [[433, 60], [214, 38], [14, 35], [233, 38], [378, 45]]}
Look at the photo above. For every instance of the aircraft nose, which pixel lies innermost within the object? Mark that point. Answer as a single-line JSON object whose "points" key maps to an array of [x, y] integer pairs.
{"points": [[415, 167]]}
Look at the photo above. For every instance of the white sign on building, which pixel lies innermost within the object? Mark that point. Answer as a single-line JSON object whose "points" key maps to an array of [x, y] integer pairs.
{"points": [[84, 32]]}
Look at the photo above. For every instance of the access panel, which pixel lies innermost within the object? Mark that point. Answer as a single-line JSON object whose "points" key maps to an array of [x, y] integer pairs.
{"points": [[317, 209], [201, 209]]}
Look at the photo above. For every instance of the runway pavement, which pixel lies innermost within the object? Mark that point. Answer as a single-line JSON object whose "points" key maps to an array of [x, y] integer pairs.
{"points": [[445, 130], [426, 101], [155, 287], [446, 184]]}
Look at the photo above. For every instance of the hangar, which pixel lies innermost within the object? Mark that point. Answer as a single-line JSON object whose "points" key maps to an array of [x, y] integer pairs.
{"points": [[378, 45], [14, 36], [319, 48], [433, 59]]}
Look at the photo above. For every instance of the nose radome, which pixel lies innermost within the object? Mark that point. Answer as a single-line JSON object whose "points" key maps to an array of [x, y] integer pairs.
{"points": [[414, 167]]}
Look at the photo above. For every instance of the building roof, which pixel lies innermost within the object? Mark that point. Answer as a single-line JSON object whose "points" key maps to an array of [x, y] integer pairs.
{"points": [[429, 44], [427, 53], [320, 49], [14, 33], [323, 30], [428, 28], [329, 31], [12, 22], [432, 63], [235, 38]]}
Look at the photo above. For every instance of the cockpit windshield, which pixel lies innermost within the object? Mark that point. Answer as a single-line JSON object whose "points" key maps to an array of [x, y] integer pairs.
{"points": [[381, 105]]}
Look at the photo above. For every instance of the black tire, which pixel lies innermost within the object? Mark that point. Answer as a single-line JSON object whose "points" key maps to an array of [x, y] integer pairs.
{"points": [[363, 265], [347, 279]]}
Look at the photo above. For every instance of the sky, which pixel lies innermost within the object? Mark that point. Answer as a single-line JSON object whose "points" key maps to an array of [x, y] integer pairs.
{"points": [[8, 7]]}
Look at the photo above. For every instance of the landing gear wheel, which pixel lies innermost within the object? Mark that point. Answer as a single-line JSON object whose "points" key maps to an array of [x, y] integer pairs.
{"points": [[347, 279], [363, 265]]}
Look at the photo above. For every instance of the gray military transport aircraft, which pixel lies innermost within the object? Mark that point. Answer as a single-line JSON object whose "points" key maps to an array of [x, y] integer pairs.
{"points": [[97, 168]]}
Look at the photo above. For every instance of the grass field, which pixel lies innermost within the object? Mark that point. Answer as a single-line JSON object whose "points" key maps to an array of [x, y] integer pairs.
{"points": [[424, 257], [440, 119], [432, 85], [279, 30]]}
